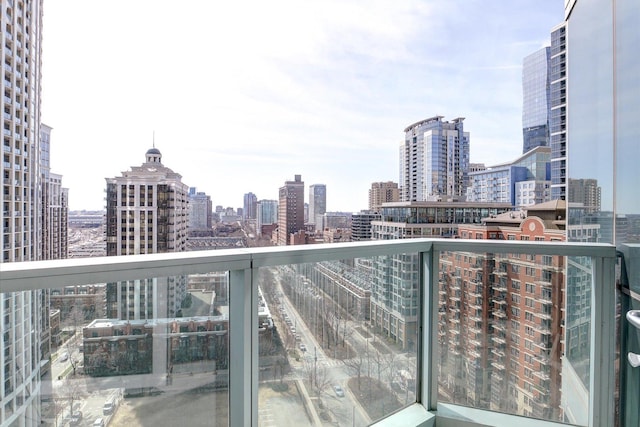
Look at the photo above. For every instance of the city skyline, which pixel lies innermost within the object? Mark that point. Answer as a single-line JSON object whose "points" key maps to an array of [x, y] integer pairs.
{"points": [[240, 111]]}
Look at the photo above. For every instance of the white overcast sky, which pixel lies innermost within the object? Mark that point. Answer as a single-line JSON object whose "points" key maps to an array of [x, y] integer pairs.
{"points": [[244, 95]]}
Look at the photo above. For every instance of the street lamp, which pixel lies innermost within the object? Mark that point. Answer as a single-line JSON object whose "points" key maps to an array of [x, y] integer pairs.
{"points": [[315, 365]]}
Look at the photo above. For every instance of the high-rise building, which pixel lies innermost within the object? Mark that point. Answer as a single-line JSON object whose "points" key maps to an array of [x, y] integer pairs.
{"points": [[558, 112], [585, 192], [522, 182], [249, 210], [361, 225], [504, 314], [26, 313], [434, 160], [394, 287], [290, 209], [147, 213], [317, 204], [267, 214], [147, 209], [602, 128], [535, 99], [200, 212], [55, 209], [383, 192]]}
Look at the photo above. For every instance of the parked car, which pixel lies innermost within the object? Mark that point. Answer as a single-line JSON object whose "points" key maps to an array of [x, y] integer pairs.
{"points": [[109, 407], [64, 357], [338, 390], [303, 347], [76, 418], [99, 422]]}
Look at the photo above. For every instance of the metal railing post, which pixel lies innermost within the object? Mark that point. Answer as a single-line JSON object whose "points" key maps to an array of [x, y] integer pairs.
{"points": [[243, 349], [603, 319]]}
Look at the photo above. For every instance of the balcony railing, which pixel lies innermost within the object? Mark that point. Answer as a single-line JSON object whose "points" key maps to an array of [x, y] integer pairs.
{"points": [[426, 402]]}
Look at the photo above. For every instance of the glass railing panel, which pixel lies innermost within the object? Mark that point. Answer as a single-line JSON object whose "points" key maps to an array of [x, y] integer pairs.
{"points": [[147, 352], [500, 332], [337, 340]]}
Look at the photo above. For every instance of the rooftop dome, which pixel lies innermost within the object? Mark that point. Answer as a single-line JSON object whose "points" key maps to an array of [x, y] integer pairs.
{"points": [[154, 155]]}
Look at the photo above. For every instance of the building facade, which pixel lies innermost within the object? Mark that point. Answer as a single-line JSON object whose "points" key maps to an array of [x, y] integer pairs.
{"points": [[249, 211], [267, 214], [535, 99], [147, 209], [394, 289], [523, 182], [558, 112], [23, 357], [501, 325], [317, 204], [383, 192], [585, 192], [434, 160], [361, 225], [602, 129], [200, 212], [147, 212], [290, 209]]}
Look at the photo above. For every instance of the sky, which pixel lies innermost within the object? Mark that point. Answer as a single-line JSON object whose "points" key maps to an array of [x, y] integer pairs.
{"points": [[241, 96]]}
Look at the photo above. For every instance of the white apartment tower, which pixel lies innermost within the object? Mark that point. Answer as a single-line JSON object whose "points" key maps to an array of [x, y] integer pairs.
{"points": [[317, 204], [434, 160], [22, 315], [147, 212]]}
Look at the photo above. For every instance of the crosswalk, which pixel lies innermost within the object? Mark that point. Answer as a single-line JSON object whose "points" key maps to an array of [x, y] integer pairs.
{"points": [[265, 415]]}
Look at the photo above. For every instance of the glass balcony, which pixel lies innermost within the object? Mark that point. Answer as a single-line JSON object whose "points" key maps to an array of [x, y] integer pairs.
{"points": [[413, 332]]}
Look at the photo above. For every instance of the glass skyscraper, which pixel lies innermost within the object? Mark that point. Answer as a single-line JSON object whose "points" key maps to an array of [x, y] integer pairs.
{"points": [[535, 99], [603, 107], [434, 160]]}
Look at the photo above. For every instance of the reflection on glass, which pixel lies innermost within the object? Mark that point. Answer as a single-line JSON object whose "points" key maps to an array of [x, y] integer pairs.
{"points": [[337, 340], [116, 358], [500, 329]]}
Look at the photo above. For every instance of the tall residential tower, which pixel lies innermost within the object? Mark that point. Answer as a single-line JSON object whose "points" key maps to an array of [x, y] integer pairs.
{"points": [[290, 209], [535, 99], [146, 213], [434, 160], [24, 315], [317, 204]]}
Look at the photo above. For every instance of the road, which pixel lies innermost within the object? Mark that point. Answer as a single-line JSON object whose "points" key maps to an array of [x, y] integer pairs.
{"points": [[347, 410]]}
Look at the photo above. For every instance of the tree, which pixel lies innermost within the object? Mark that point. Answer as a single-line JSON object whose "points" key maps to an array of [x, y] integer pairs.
{"points": [[390, 362], [69, 391], [355, 365]]}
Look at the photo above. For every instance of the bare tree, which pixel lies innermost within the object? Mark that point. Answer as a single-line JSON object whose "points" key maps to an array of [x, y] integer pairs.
{"points": [[75, 319], [355, 365], [379, 362], [390, 363], [97, 304], [70, 391], [321, 379]]}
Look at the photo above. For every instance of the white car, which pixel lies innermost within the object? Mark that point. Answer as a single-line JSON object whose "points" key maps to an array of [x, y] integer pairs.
{"points": [[64, 357], [338, 390]]}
